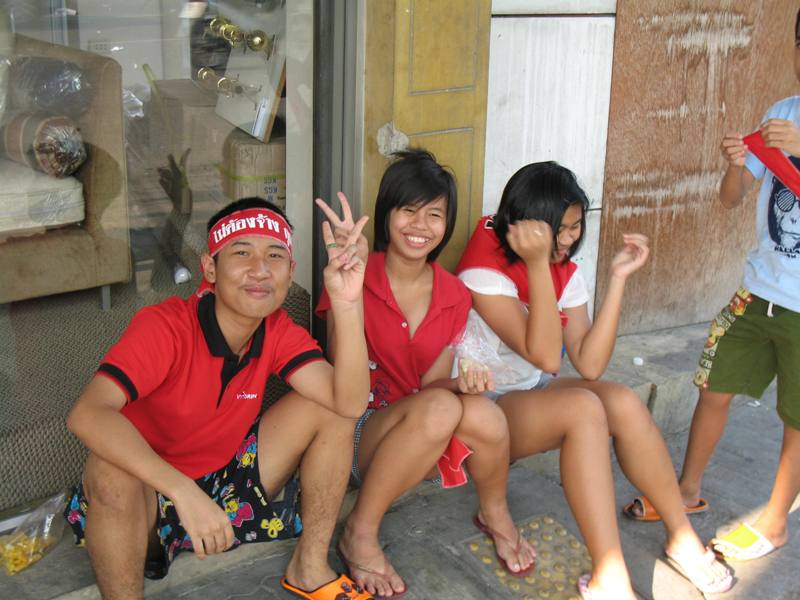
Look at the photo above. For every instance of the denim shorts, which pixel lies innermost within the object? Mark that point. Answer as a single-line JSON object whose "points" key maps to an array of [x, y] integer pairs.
{"points": [[544, 380]]}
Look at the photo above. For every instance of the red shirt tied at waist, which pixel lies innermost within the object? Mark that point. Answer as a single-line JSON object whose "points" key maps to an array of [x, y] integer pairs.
{"points": [[397, 360]]}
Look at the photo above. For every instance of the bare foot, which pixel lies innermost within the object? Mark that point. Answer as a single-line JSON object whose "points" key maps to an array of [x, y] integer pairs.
{"points": [[368, 565], [698, 564], [304, 574], [690, 494], [775, 530], [510, 544], [590, 589]]}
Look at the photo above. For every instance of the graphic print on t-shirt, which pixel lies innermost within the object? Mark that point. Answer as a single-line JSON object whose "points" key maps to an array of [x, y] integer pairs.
{"points": [[784, 217]]}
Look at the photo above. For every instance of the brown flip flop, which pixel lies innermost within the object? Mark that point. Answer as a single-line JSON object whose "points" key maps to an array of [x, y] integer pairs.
{"points": [[492, 534], [647, 511]]}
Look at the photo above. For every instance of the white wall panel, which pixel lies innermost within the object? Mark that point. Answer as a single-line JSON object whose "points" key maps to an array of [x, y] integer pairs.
{"points": [[549, 88], [586, 258], [560, 7]]}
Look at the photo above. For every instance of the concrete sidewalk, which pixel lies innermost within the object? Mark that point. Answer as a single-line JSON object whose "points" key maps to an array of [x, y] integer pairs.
{"points": [[432, 543]]}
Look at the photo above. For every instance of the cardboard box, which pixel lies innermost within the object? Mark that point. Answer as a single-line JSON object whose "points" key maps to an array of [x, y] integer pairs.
{"points": [[252, 168]]}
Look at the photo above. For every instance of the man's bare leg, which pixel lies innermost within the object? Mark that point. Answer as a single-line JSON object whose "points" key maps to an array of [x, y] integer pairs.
{"points": [[121, 516], [400, 444], [773, 522], [298, 431], [708, 424]]}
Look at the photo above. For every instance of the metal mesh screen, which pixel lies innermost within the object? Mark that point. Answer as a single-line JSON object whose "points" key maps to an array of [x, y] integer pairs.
{"points": [[38, 456]]}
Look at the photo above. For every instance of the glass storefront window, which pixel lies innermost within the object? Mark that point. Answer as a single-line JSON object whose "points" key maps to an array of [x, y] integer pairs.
{"points": [[125, 126]]}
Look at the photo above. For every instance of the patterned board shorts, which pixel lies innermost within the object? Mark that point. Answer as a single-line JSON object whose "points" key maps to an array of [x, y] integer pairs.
{"points": [[236, 488], [750, 342]]}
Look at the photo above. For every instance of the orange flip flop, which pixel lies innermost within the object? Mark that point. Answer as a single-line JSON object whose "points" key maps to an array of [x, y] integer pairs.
{"points": [[342, 588], [647, 511]]}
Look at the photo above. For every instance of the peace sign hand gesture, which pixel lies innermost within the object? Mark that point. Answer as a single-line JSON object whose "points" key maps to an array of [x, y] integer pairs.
{"points": [[343, 228], [347, 252]]}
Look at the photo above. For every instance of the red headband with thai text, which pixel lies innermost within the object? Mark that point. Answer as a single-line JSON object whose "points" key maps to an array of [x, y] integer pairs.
{"points": [[251, 221], [242, 223]]}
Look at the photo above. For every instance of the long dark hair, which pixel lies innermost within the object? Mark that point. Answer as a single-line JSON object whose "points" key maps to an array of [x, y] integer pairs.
{"points": [[542, 191]]}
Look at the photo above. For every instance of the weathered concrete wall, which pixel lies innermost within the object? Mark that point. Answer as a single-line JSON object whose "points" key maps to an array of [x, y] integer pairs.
{"points": [[684, 73]]}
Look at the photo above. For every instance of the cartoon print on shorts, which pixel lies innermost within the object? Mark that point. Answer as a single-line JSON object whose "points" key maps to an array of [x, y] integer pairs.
{"points": [[164, 532], [273, 526], [246, 454], [77, 512], [741, 299], [238, 512], [163, 504], [783, 216], [721, 323]]}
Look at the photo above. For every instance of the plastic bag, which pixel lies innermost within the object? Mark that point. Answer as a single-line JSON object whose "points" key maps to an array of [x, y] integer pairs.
{"points": [[132, 106], [472, 346], [37, 534], [49, 85], [52, 145]]}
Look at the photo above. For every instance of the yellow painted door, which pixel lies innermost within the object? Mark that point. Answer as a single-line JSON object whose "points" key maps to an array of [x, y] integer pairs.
{"points": [[437, 68]]}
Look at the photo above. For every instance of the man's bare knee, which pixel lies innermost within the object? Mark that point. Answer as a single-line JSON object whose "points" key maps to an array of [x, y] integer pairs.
{"points": [[326, 421], [110, 487]]}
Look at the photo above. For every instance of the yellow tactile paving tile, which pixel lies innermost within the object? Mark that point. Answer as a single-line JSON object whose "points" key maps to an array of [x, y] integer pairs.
{"points": [[560, 560]]}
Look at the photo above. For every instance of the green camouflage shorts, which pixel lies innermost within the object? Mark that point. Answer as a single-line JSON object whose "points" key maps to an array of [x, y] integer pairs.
{"points": [[750, 342]]}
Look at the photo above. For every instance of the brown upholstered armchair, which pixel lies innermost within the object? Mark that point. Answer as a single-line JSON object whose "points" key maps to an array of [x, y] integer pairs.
{"points": [[95, 252]]}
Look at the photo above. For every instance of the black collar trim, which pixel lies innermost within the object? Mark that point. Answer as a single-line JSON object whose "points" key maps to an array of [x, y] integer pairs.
{"points": [[215, 341]]}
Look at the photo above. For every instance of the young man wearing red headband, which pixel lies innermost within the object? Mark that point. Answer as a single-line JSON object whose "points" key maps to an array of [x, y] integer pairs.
{"points": [[180, 457]]}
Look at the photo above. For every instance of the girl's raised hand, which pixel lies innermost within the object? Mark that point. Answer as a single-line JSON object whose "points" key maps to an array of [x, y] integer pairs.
{"points": [[632, 256], [347, 253], [532, 240], [344, 227]]}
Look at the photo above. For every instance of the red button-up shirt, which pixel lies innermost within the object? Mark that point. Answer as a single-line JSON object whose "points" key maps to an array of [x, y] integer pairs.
{"points": [[397, 360]]}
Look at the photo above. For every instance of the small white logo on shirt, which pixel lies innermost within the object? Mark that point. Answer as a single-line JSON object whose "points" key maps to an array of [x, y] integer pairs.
{"points": [[246, 396]]}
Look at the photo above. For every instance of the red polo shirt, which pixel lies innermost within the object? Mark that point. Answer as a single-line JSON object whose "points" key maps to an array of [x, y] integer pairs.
{"points": [[188, 394], [398, 361]]}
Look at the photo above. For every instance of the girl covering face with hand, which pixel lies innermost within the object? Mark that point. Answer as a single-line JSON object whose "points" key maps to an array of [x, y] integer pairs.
{"points": [[529, 303]]}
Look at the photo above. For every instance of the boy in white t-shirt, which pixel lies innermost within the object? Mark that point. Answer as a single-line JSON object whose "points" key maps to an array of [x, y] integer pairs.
{"points": [[757, 336]]}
